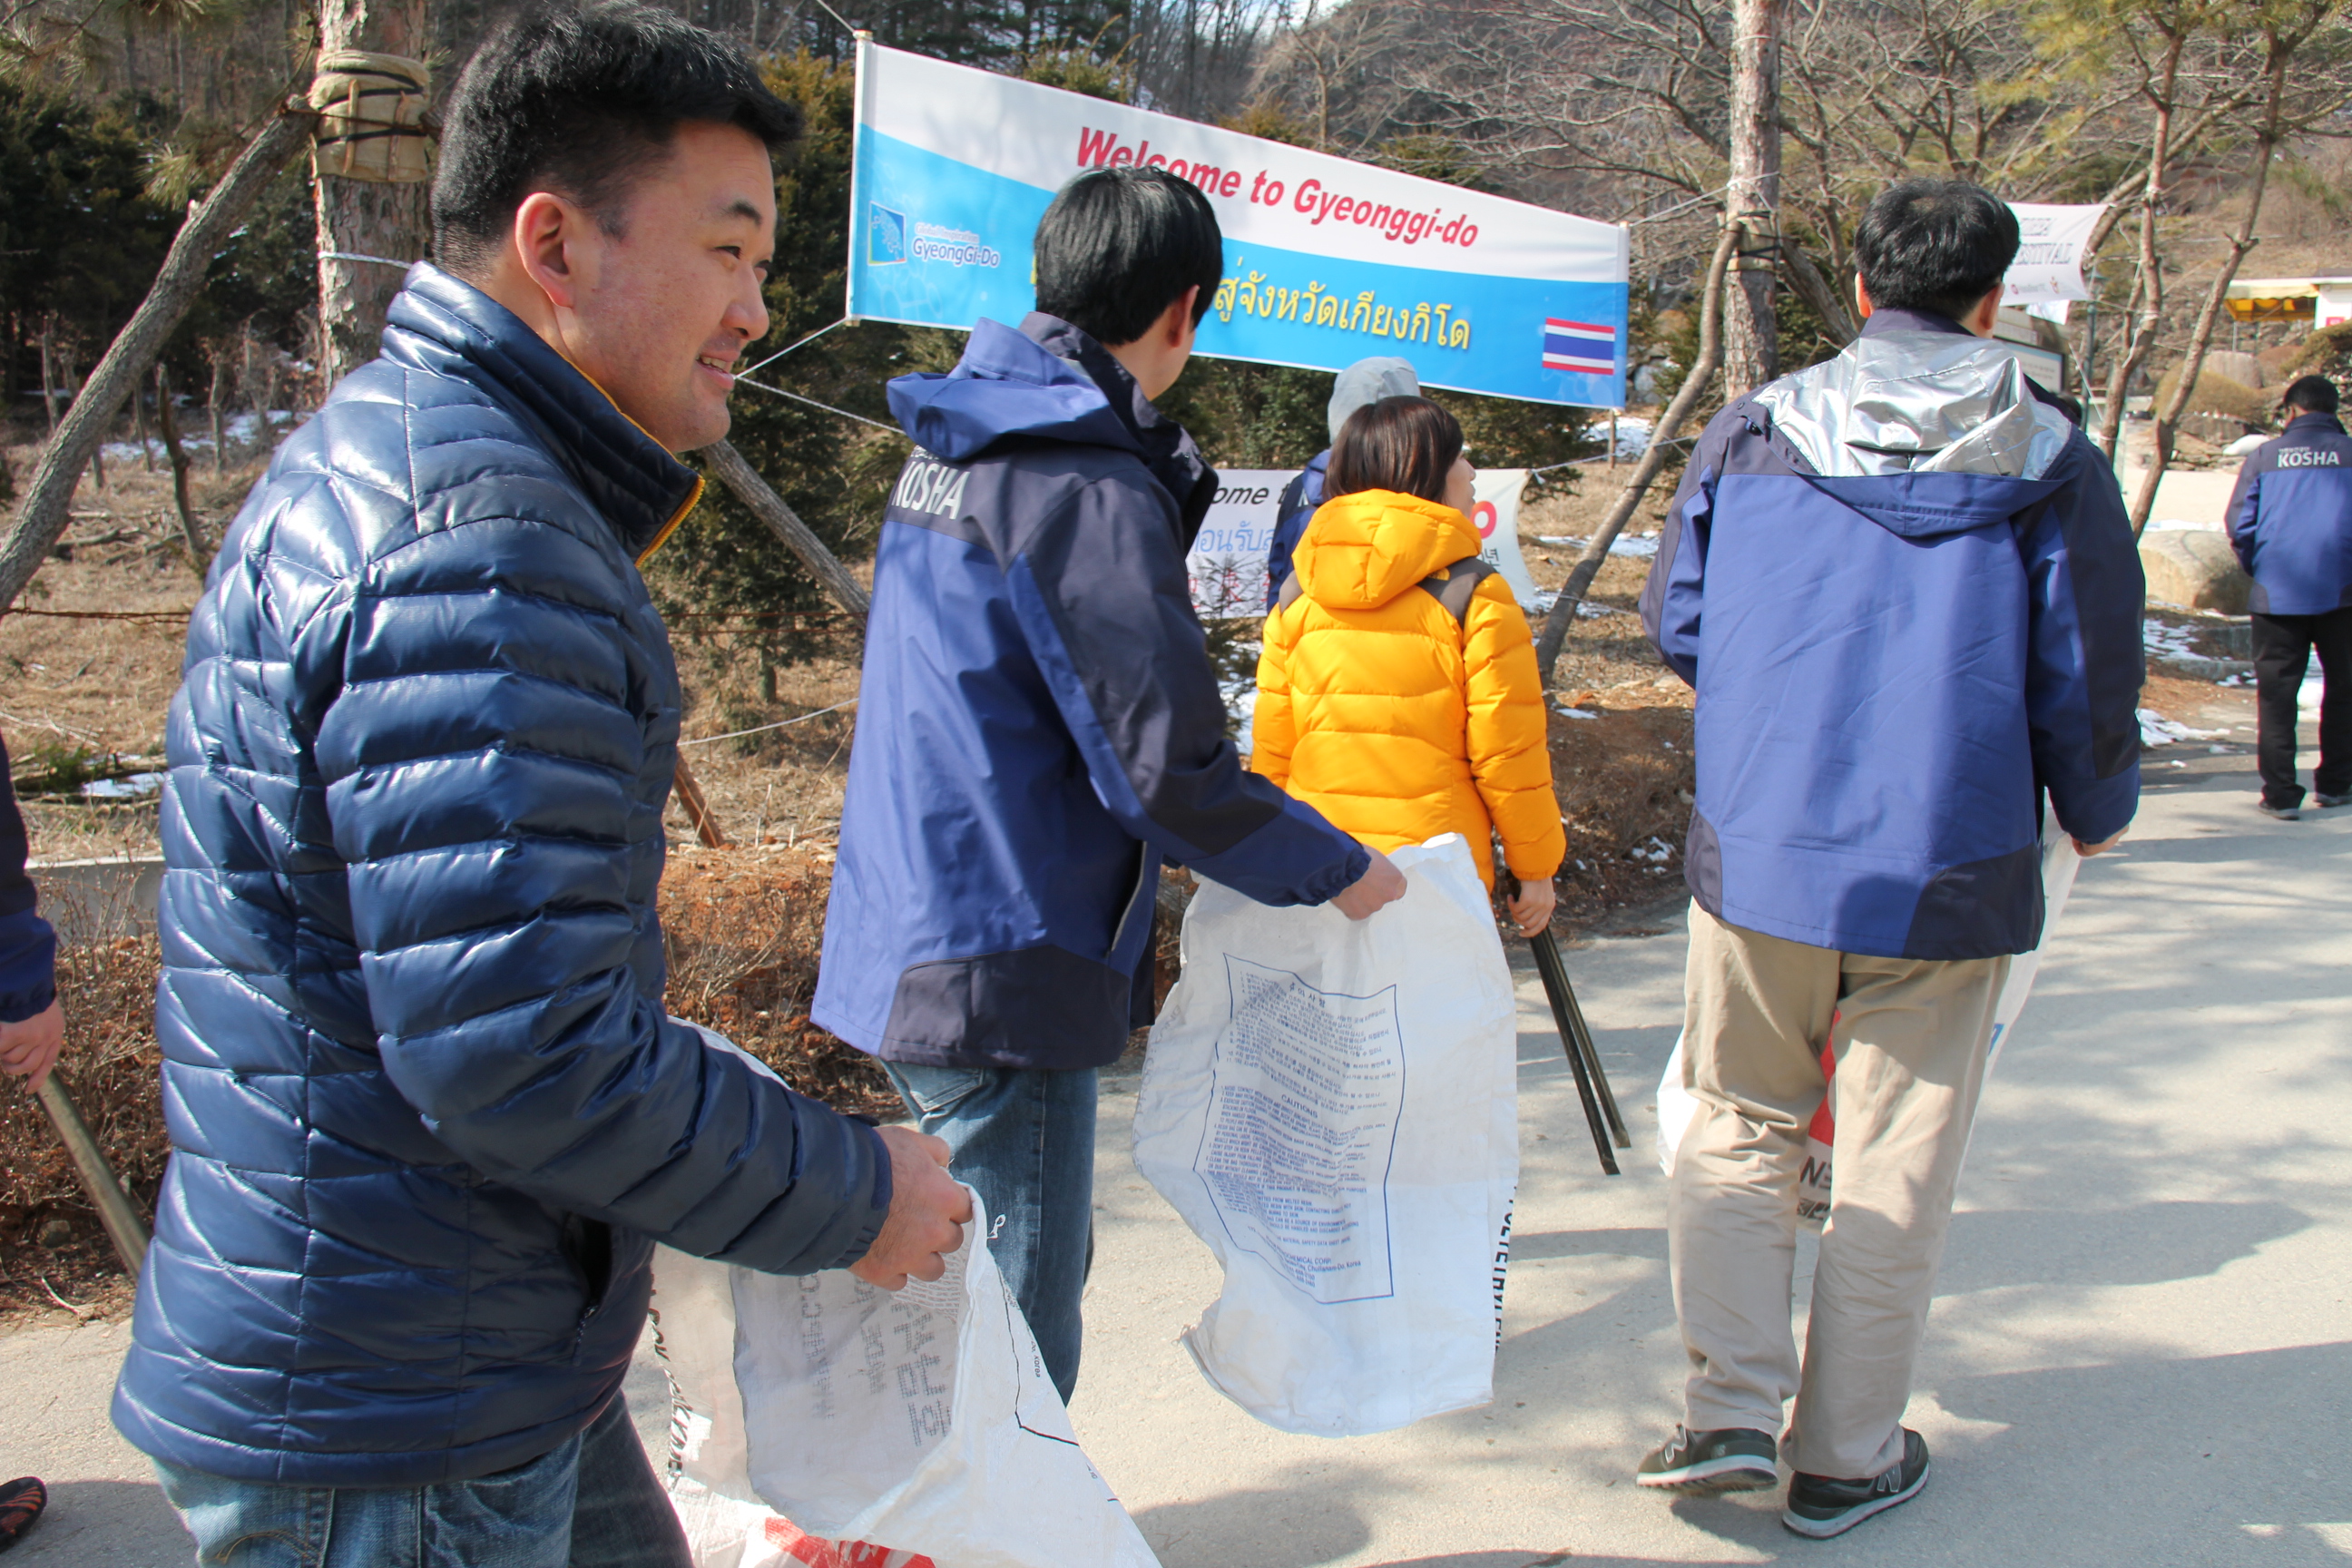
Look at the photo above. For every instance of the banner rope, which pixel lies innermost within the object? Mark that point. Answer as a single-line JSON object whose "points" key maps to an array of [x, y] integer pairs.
{"points": [[828, 408], [809, 339], [762, 729]]}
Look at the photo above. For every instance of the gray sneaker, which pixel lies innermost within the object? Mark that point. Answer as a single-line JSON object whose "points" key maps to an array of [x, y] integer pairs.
{"points": [[1700, 1463], [2329, 801], [2283, 813], [1822, 1506]]}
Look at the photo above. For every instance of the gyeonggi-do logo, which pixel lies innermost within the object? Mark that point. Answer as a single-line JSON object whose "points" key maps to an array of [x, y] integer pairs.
{"points": [[886, 236], [956, 246]]}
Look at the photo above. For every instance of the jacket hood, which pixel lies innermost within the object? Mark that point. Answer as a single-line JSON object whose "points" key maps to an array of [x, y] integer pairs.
{"points": [[1051, 382], [1921, 426], [1363, 550], [1006, 385], [1365, 382], [444, 325]]}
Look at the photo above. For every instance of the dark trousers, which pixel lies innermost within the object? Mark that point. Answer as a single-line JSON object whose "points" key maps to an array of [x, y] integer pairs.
{"points": [[2282, 649]]}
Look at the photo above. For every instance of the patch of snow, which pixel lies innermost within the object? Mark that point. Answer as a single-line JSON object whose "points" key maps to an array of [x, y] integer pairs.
{"points": [[1633, 436], [2156, 729], [1640, 546], [1657, 851], [2244, 445], [1586, 610], [1576, 713], [242, 430], [2178, 525], [134, 787]]}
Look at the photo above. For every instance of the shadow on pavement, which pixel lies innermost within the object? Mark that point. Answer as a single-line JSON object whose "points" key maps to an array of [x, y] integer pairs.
{"points": [[2145, 1244], [122, 1524]]}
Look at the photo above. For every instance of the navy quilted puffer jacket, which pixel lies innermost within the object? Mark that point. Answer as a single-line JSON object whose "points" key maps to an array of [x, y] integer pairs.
{"points": [[427, 1112]]}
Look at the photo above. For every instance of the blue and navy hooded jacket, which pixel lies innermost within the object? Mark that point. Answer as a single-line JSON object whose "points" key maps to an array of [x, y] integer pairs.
{"points": [[429, 1115], [1292, 514], [1039, 726], [28, 948], [2291, 519], [1905, 588]]}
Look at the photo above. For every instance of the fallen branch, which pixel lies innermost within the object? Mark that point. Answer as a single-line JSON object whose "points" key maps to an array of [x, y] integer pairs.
{"points": [[725, 462], [1654, 458], [43, 516]]}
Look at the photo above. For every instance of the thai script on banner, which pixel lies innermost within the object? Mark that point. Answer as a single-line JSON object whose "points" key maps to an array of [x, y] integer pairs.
{"points": [[1253, 294], [1328, 260]]}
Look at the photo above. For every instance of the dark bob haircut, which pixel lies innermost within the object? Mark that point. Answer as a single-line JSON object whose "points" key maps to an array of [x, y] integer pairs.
{"points": [[1119, 245], [1406, 443], [1934, 246], [2312, 393], [581, 101]]}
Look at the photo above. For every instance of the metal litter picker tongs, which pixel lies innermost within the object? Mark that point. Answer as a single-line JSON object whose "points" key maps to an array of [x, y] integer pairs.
{"points": [[1576, 1041]]}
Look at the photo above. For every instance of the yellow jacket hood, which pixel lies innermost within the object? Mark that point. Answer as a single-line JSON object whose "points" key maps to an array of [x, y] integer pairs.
{"points": [[1361, 551]]}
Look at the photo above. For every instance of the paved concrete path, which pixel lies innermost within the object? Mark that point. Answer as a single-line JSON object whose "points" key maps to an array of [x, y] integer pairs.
{"points": [[2140, 1352]]}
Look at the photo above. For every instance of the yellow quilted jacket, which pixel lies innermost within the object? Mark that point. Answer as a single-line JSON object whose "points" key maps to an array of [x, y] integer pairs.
{"points": [[1389, 717]]}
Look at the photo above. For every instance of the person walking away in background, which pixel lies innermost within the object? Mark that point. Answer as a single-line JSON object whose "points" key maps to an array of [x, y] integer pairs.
{"points": [[1040, 727], [2291, 523], [1396, 692], [1359, 385], [1904, 587], [429, 1115], [32, 1031]]}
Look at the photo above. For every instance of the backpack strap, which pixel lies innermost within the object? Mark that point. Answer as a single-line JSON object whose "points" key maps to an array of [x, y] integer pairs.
{"points": [[1457, 590]]}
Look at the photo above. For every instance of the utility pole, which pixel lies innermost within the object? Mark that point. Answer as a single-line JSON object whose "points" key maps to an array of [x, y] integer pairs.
{"points": [[1752, 200], [372, 87]]}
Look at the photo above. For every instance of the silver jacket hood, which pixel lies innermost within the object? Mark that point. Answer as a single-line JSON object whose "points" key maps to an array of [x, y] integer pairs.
{"points": [[1917, 402]]}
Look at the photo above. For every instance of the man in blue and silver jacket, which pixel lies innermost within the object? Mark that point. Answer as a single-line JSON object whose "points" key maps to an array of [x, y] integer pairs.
{"points": [[428, 1114], [1040, 729], [2291, 520], [1903, 586]]}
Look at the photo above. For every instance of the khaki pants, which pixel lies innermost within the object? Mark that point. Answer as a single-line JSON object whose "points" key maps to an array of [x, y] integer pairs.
{"points": [[1909, 1043]]}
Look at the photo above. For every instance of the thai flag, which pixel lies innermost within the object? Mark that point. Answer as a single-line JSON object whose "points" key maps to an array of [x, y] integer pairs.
{"points": [[1581, 348]]}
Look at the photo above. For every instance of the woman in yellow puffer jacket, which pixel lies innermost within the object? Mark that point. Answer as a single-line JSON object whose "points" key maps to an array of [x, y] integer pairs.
{"points": [[1397, 693]]}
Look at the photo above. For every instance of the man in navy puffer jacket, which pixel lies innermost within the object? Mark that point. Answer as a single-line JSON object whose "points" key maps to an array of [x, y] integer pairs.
{"points": [[1904, 587], [429, 1116]]}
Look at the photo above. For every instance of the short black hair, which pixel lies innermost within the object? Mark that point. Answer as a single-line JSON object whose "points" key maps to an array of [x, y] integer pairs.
{"points": [[1119, 245], [1935, 246], [2312, 393], [579, 99], [1406, 443]]}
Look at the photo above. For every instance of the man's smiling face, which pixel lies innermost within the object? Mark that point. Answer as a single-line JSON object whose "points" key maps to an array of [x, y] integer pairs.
{"points": [[666, 306]]}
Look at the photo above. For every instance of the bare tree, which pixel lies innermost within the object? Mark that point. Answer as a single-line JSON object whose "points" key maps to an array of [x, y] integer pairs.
{"points": [[369, 229], [1751, 334]]}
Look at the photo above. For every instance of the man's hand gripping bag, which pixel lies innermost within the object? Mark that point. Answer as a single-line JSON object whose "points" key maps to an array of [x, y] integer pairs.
{"points": [[1332, 1105], [892, 1426]]}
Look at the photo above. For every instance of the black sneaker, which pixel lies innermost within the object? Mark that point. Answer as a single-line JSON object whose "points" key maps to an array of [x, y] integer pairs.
{"points": [[1820, 1506], [2283, 813], [2329, 801], [1700, 1463]]}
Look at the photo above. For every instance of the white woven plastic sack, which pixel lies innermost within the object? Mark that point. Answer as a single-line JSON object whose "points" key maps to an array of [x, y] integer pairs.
{"points": [[2060, 861], [889, 1427], [1332, 1105]]}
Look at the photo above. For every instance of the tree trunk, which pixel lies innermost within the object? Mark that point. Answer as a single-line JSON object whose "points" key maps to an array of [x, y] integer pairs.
{"points": [[43, 516], [139, 428], [167, 424], [48, 370], [2148, 289], [212, 407], [726, 465], [1654, 458], [2280, 54], [359, 217], [1752, 200]]}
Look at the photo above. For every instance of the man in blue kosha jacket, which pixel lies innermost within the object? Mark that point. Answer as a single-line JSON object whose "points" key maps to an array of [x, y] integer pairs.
{"points": [[1902, 584], [429, 1115], [1359, 385], [2291, 520], [1039, 729]]}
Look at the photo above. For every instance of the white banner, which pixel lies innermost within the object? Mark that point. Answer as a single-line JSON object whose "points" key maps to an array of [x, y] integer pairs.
{"points": [[1228, 559], [1327, 261], [2049, 265]]}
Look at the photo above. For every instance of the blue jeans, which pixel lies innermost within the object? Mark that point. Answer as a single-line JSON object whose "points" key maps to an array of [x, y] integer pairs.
{"points": [[591, 1503], [1025, 1138]]}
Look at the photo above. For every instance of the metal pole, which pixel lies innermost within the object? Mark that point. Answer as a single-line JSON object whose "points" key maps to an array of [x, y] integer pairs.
{"points": [[123, 1226]]}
